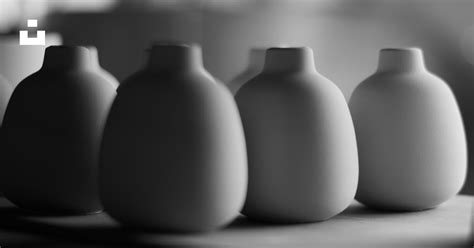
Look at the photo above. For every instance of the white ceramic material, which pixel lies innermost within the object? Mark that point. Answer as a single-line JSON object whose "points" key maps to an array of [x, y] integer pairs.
{"points": [[173, 151], [300, 141], [96, 65], [51, 135], [410, 134]]}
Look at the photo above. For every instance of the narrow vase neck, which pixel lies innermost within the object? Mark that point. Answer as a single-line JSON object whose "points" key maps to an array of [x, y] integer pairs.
{"points": [[401, 59], [290, 59], [165, 57], [94, 54], [66, 57]]}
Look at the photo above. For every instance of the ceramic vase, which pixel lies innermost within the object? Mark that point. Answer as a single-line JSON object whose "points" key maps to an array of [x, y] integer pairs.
{"points": [[412, 147], [301, 144], [255, 65], [96, 64], [173, 154], [52, 131]]}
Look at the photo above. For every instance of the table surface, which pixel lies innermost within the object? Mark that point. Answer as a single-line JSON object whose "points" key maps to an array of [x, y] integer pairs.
{"points": [[449, 225]]}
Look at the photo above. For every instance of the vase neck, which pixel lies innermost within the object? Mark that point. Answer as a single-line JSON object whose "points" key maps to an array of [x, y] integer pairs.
{"points": [[175, 57], [290, 59], [94, 54], [401, 59], [66, 57], [256, 59]]}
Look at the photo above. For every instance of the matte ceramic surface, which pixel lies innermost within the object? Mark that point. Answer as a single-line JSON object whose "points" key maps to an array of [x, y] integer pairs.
{"points": [[256, 59], [300, 141], [103, 73], [173, 156], [412, 147], [51, 135]]}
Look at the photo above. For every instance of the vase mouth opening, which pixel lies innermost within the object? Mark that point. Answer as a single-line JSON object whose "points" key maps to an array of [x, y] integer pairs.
{"points": [[286, 48], [289, 59], [172, 43], [65, 56], [401, 49], [290, 51]]}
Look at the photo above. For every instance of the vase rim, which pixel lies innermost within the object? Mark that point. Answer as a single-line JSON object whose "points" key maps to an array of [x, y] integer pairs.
{"points": [[66, 56], [54, 47], [401, 49], [173, 44], [297, 48]]}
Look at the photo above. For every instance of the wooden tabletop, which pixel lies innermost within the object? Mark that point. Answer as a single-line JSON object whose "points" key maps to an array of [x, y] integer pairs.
{"points": [[446, 226]]}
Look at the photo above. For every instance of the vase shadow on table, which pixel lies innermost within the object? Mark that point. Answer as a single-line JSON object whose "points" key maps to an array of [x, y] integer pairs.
{"points": [[41, 230], [47, 233]]}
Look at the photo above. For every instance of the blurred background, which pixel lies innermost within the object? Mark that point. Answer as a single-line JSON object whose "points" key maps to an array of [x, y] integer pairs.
{"points": [[344, 34]]}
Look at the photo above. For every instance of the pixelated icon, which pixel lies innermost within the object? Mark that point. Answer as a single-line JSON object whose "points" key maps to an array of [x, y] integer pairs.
{"points": [[40, 38]]}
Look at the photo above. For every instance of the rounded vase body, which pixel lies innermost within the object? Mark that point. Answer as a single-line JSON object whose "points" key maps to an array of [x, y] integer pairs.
{"points": [[173, 156], [412, 147], [51, 135], [300, 140]]}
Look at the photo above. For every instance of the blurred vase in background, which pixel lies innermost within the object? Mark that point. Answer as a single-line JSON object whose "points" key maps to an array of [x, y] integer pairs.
{"points": [[51, 135], [96, 64], [255, 65], [173, 152], [301, 143], [410, 135]]}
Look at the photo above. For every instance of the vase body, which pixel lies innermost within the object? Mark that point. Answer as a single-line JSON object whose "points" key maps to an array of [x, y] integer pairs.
{"points": [[173, 154], [103, 73], [412, 147], [51, 135], [256, 59], [300, 141]]}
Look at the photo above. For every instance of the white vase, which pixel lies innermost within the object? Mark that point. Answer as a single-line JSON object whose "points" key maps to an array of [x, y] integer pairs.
{"points": [[173, 150], [51, 135], [300, 138], [256, 59], [412, 147], [96, 65]]}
